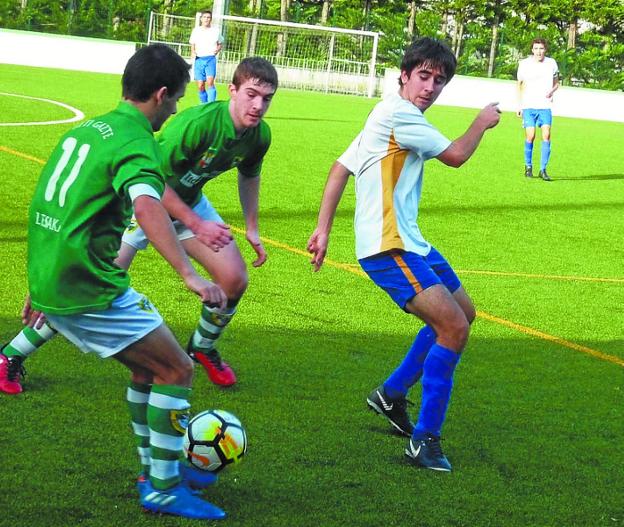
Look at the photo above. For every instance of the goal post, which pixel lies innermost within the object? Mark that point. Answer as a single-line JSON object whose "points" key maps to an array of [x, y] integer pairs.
{"points": [[311, 57]]}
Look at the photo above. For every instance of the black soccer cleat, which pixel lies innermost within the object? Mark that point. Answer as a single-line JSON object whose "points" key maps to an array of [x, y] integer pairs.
{"points": [[544, 175], [528, 171], [427, 453], [394, 410]]}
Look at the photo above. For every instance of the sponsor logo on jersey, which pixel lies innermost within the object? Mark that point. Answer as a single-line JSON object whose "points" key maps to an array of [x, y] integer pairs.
{"points": [[47, 222]]}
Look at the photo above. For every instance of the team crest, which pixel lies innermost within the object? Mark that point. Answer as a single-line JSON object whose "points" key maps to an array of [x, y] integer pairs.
{"points": [[133, 225], [208, 157], [220, 319], [179, 419], [145, 305]]}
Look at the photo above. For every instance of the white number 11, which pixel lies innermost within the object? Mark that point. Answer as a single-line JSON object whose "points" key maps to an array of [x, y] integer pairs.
{"points": [[68, 146]]}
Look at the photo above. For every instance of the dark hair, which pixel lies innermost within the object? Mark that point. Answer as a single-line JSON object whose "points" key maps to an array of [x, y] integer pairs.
{"points": [[429, 51], [151, 68], [255, 68], [205, 11], [539, 40]]}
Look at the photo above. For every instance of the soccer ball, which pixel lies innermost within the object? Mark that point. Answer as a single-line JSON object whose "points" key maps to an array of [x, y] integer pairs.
{"points": [[214, 439]]}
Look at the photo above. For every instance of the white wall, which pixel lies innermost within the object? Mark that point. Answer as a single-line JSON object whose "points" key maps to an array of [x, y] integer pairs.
{"points": [[474, 92], [70, 53]]}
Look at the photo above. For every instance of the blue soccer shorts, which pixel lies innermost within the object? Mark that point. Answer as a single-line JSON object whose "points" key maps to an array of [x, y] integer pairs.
{"points": [[205, 67], [532, 118], [403, 275]]}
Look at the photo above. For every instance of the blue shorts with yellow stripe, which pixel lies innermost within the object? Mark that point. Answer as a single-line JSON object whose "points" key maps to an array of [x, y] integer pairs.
{"points": [[404, 274]]}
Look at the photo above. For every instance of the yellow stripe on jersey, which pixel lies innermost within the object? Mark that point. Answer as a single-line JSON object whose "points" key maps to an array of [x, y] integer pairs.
{"points": [[407, 272], [391, 166]]}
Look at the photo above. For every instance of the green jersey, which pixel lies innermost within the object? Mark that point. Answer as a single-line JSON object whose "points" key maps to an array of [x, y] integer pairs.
{"points": [[200, 143], [81, 207]]}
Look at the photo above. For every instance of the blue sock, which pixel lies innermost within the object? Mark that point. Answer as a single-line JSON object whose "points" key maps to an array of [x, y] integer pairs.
{"points": [[212, 94], [437, 384], [528, 154], [203, 96], [410, 370], [545, 154]]}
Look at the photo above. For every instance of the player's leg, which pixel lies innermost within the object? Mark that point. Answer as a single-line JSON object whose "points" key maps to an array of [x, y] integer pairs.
{"points": [[211, 73], [546, 120], [13, 355], [200, 77], [439, 309], [228, 270], [528, 123], [133, 333], [403, 275]]}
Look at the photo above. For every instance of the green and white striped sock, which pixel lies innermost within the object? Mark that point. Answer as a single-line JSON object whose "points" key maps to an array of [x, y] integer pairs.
{"points": [[212, 322], [138, 397], [28, 341], [167, 418]]}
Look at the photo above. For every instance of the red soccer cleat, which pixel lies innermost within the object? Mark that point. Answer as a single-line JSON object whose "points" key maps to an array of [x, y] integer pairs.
{"points": [[10, 371], [218, 370]]}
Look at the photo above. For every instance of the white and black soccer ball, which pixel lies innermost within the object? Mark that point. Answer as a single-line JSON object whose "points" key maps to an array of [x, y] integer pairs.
{"points": [[214, 439]]}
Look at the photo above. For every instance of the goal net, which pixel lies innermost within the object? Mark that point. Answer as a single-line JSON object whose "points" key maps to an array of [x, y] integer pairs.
{"points": [[310, 57]]}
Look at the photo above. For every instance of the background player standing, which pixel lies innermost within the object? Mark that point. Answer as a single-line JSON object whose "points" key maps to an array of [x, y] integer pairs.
{"points": [[206, 43], [97, 175], [389, 161], [538, 80]]}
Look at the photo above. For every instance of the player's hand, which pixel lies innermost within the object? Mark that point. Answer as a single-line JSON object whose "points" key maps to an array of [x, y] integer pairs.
{"points": [[213, 234], [317, 246], [210, 293], [31, 317], [490, 115], [519, 113], [254, 240]]}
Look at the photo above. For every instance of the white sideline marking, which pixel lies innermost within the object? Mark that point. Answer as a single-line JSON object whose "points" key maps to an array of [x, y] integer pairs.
{"points": [[78, 115]]}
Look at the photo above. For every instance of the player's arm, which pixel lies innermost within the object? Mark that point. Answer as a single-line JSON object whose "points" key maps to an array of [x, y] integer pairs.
{"points": [[248, 193], [213, 234], [519, 91], [555, 85], [334, 188], [460, 150], [155, 222]]}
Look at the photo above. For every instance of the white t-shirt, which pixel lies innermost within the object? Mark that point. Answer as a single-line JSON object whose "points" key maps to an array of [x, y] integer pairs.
{"points": [[537, 81], [348, 159], [395, 143], [205, 40]]}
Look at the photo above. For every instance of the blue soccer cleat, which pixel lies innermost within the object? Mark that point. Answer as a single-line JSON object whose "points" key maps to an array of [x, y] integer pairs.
{"points": [[179, 501], [426, 452]]}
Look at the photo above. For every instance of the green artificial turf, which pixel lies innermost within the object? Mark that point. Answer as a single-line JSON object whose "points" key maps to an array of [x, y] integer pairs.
{"points": [[535, 427]]}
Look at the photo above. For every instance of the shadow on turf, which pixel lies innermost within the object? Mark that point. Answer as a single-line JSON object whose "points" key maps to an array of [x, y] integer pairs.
{"points": [[591, 177]]}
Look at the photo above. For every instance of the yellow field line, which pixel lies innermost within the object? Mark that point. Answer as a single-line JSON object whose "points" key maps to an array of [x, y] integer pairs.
{"points": [[21, 154], [562, 342], [497, 320], [351, 268], [570, 278]]}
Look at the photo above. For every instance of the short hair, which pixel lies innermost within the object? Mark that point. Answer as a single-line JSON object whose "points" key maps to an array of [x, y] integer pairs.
{"points": [[429, 51], [205, 12], [539, 40], [151, 68], [255, 68]]}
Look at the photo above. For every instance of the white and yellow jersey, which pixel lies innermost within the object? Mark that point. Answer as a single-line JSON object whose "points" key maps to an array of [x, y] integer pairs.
{"points": [[394, 145]]}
